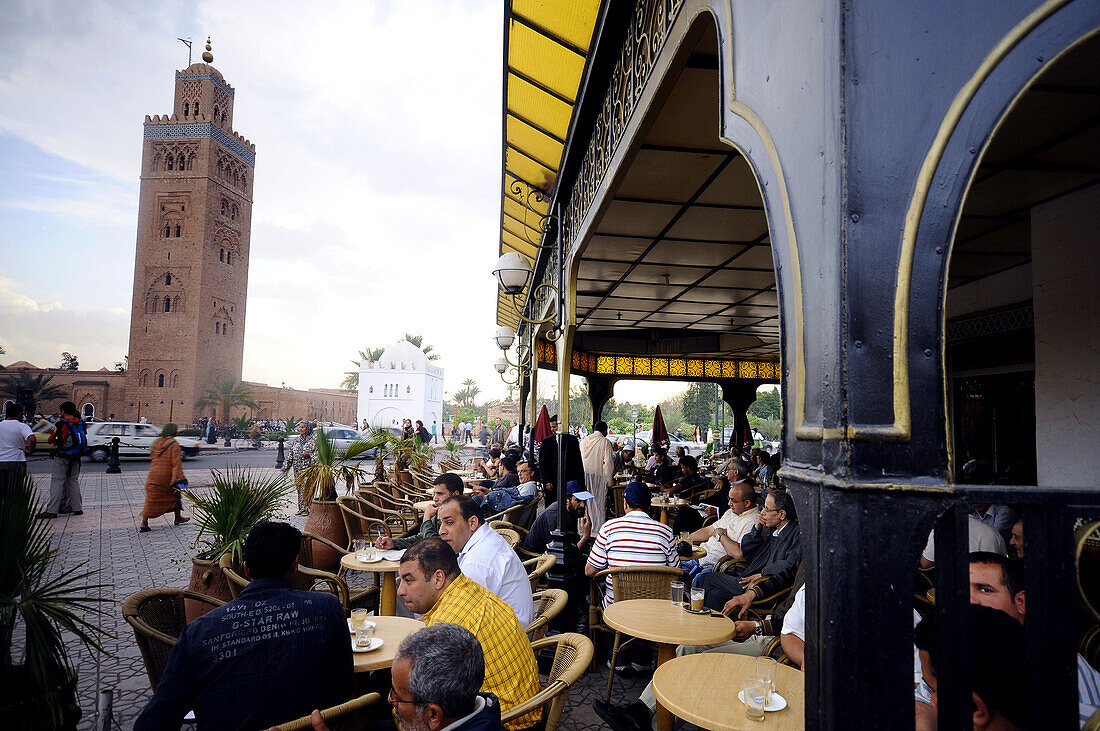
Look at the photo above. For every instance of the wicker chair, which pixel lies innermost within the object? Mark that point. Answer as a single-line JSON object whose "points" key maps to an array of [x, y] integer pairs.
{"points": [[538, 567], [627, 582], [311, 578], [510, 536], [508, 514], [360, 525], [350, 716], [399, 521], [774, 650], [237, 581], [551, 602], [158, 618], [572, 656]]}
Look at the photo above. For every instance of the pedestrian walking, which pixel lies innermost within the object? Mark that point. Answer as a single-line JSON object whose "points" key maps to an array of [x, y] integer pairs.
{"points": [[69, 437], [298, 457], [165, 479], [435, 434], [17, 441], [421, 433], [254, 432]]}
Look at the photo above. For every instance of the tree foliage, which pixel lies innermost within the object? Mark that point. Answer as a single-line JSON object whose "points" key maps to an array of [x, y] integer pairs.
{"points": [[69, 362], [39, 385], [768, 405], [697, 404], [226, 393]]}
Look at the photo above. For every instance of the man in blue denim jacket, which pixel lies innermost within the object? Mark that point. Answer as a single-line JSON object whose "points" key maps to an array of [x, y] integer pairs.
{"points": [[267, 657]]}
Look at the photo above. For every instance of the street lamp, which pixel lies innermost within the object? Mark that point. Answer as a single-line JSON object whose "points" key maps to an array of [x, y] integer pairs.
{"points": [[513, 272], [505, 337]]}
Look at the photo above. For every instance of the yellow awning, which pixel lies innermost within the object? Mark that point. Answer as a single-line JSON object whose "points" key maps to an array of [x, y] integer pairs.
{"points": [[546, 50]]}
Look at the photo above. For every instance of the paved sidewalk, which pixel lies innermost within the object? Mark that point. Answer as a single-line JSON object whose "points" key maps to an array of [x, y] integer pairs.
{"points": [[106, 538]]}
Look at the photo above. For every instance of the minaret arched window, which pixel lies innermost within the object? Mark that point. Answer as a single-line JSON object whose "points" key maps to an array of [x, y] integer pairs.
{"points": [[167, 304], [215, 114], [168, 278], [181, 162], [179, 230], [186, 108], [223, 117], [217, 328], [160, 381], [223, 206], [196, 109], [171, 161], [167, 230], [221, 254], [229, 257]]}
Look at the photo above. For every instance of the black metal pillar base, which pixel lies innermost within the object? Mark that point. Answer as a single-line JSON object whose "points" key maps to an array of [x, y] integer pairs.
{"points": [[861, 547], [739, 395], [113, 465]]}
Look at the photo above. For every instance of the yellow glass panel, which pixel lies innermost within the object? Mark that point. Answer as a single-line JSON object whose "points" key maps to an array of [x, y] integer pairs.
{"points": [[605, 364], [531, 102], [677, 367], [660, 366], [747, 369], [712, 369], [623, 365], [642, 366], [571, 20], [545, 149], [729, 369], [544, 61], [527, 169]]}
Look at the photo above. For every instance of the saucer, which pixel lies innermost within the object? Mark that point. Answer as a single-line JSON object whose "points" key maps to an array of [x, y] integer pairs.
{"points": [[376, 642], [778, 702], [376, 559]]}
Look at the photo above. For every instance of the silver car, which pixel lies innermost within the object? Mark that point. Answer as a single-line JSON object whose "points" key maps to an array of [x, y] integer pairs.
{"points": [[134, 440]]}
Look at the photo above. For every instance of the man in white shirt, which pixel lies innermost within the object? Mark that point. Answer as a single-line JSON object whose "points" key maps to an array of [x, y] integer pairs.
{"points": [[484, 556], [981, 537], [16, 442], [723, 537]]}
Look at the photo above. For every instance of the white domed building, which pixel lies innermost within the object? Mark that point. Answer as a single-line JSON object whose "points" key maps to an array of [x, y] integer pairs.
{"points": [[402, 384]]}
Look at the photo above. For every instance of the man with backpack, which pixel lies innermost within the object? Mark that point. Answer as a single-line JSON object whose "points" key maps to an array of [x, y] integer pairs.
{"points": [[71, 442]]}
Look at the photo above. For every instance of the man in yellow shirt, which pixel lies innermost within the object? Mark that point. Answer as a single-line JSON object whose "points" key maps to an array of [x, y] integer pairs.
{"points": [[433, 585]]}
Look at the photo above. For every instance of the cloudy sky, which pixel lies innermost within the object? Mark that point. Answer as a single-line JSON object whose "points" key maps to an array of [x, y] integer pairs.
{"points": [[377, 184]]}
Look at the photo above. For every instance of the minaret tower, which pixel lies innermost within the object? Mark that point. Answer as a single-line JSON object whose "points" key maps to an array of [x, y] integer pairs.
{"points": [[191, 268]]}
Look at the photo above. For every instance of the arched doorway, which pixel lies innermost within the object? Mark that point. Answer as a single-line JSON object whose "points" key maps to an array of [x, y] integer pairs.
{"points": [[87, 411], [1022, 314]]}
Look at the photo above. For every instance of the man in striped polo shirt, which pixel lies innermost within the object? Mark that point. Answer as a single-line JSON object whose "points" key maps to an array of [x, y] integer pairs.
{"points": [[632, 540]]}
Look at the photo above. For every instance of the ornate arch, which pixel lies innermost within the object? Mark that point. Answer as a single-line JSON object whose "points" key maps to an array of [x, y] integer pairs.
{"points": [[158, 290]]}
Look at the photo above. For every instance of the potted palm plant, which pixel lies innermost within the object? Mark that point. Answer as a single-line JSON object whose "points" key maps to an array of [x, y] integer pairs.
{"points": [[319, 481], [408, 453], [43, 602], [224, 514]]}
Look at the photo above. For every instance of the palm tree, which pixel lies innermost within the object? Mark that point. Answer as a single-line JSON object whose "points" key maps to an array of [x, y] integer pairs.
{"points": [[351, 378], [468, 393], [418, 341], [39, 386], [226, 392]]}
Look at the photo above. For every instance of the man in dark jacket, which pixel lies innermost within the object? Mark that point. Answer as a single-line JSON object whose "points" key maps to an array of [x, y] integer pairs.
{"points": [[548, 461], [269, 656], [773, 549]]}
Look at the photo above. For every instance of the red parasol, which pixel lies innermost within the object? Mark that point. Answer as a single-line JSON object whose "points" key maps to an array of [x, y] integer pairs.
{"points": [[542, 426], [660, 433]]}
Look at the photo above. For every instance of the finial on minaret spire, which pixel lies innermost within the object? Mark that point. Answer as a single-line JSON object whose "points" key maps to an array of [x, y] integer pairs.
{"points": [[207, 55]]}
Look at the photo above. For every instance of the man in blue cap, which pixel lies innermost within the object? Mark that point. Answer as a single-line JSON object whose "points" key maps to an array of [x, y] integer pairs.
{"points": [[632, 540], [539, 536]]}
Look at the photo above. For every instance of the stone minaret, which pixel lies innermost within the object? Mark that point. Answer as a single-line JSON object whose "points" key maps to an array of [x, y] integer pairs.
{"points": [[191, 268]]}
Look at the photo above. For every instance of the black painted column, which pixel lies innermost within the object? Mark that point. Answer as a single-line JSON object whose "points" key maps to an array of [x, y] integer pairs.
{"points": [[740, 395], [600, 391], [524, 389]]}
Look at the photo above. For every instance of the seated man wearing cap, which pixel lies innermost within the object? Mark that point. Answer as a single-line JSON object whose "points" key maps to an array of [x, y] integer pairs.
{"points": [[539, 536], [632, 540]]}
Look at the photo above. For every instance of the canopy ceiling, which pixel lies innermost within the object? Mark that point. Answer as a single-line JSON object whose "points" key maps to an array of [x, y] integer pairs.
{"points": [[546, 50]]}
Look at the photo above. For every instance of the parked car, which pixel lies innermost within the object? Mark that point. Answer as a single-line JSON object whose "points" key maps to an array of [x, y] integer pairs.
{"points": [[342, 437], [134, 440]]}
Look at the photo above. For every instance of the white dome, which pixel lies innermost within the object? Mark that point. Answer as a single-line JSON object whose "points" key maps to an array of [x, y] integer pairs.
{"points": [[403, 356]]}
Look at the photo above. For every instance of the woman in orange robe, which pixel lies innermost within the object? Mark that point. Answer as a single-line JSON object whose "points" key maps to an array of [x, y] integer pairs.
{"points": [[165, 472]]}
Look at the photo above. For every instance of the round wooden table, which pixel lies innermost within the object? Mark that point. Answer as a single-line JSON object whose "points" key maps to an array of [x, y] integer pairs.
{"points": [[392, 630], [658, 621], [703, 688], [664, 506], [387, 599]]}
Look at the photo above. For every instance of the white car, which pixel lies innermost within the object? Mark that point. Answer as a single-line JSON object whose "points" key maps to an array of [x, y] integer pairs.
{"points": [[134, 440], [341, 438]]}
